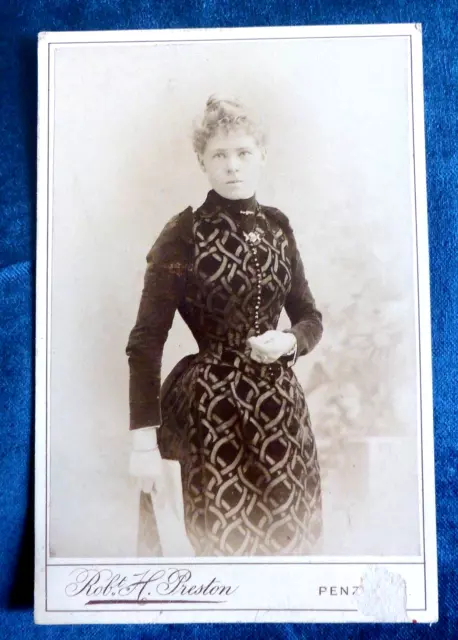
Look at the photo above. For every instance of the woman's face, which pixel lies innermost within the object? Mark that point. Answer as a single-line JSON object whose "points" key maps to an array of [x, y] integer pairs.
{"points": [[233, 162]]}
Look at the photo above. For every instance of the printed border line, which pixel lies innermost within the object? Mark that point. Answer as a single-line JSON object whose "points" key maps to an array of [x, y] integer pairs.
{"points": [[47, 291], [419, 317], [194, 609], [229, 563], [48, 288], [228, 40]]}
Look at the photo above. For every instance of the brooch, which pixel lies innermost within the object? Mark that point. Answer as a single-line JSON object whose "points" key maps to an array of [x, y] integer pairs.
{"points": [[254, 237]]}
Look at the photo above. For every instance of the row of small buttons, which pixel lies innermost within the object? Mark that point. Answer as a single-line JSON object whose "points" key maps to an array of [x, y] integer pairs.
{"points": [[258, 299], [257, 306]]}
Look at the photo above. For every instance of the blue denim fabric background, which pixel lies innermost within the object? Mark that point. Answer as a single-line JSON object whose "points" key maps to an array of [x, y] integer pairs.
{"points": [[20, 21]]}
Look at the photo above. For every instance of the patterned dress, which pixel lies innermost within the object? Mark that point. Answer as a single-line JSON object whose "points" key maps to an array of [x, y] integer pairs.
{"points": [[241, 429]]}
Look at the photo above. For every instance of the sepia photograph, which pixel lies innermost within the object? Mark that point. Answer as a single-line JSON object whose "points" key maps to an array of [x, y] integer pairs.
{"points": [[233, 307]]}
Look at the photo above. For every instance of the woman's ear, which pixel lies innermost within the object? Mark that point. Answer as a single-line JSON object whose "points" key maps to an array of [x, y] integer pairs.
{"points": [[263, 155], [201, 163]]}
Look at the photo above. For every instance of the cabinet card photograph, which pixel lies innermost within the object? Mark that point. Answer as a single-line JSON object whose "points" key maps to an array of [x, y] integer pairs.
{"points": [[233, 372]]}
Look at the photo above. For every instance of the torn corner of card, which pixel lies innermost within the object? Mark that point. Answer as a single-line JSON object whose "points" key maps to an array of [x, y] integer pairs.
{"points": [[382, 596]]}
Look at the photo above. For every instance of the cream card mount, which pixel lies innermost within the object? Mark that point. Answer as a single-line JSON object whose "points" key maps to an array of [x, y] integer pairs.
{"points": [[345, 532]]}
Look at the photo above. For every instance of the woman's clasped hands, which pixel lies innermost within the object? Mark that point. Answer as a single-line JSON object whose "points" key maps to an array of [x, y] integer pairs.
{"points": [[271, 345]]}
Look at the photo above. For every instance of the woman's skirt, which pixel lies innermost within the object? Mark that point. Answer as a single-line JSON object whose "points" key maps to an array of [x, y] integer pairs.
{"points": [[249, 465]]}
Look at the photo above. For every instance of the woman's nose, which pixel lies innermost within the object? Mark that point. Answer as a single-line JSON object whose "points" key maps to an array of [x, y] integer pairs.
{"points": [[233, 164]]}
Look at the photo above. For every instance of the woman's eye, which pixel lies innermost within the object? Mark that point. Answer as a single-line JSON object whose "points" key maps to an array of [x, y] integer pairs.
{"points": [[243, 154], [219, 155]]}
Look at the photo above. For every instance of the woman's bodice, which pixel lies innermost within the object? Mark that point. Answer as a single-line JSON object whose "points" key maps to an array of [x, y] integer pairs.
{"points": [[225, 287], [235, 289]]}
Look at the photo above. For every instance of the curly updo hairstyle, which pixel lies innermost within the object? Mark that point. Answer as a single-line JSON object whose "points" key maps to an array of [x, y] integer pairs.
{"points": [[226, 114]]}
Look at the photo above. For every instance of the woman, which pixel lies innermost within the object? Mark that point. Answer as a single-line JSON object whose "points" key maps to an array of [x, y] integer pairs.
{"points": [[233, 414]]}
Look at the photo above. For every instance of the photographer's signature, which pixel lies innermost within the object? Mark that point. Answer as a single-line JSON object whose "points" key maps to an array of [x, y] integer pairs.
{"points": [[153, 586]]}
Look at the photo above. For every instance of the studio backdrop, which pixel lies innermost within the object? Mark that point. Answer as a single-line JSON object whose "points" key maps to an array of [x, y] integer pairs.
{"points": [[339, 165]]}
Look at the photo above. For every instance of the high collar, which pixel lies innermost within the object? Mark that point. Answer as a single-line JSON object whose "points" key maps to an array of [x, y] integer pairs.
{"points": [[216, 202]]}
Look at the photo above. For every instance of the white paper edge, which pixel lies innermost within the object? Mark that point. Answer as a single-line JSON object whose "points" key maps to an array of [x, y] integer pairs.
{"points": [[45, 51]]}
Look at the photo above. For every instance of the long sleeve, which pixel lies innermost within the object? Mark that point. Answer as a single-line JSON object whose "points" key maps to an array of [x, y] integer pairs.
{"points": [[163, 289], [306, 320]]}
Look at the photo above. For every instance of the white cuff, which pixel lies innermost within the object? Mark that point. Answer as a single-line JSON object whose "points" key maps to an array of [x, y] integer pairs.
{"points": [[294, 349], [144, 439], [292, 353]]}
